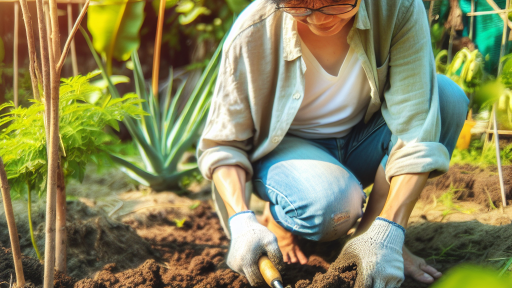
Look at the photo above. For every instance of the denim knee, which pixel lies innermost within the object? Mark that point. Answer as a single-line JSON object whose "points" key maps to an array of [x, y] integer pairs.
{"points": [[453, 104], [327, 216]]}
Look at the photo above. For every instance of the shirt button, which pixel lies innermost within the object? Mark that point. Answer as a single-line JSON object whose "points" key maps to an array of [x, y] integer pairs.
{"points": [[296, 96], [275, 139]]}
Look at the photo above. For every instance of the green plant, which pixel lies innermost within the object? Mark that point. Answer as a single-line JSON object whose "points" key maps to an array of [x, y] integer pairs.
{"points": [[442, 255], [179, 222], [471, 276], [165, 133], [82, 137], [466, 68], [447, 200], [121, 36]]}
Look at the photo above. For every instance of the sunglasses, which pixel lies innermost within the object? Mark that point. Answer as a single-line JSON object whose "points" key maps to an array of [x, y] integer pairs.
{"points": [[336, 9]]}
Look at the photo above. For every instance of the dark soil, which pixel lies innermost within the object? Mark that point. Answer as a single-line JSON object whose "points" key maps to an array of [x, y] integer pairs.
{"points": [[471, 183], [151, 251], [445, 245]]}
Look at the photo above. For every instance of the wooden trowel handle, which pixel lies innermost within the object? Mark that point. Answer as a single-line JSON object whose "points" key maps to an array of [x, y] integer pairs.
{"points": [[268, 271]]}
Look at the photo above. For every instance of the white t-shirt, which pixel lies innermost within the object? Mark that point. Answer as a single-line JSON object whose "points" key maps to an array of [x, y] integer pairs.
{"points": [[332, 105]]}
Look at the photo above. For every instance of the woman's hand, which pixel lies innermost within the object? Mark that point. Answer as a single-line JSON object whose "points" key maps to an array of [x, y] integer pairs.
{"points": [[285, 239]]}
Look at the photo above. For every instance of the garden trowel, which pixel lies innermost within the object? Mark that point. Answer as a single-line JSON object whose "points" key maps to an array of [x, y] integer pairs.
{"points": [[270, 273]]}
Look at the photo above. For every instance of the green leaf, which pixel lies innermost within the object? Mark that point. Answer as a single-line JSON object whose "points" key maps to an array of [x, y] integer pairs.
{"points": [[180, 222], [188, 18], [114, 124], [470, 276], [237, 6], [185, 6], [195, 205], [116, 79], [115, 28], [168, 4]]}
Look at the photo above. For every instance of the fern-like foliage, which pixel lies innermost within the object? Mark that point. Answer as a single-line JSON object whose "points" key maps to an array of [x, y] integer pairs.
{"points": [[82, 134]]}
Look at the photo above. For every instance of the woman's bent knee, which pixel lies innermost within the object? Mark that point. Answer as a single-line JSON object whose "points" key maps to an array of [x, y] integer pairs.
{"points": [[329, 216]]}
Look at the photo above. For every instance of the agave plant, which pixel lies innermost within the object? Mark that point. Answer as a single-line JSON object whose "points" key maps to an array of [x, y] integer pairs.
{"points": [[165, 133]]}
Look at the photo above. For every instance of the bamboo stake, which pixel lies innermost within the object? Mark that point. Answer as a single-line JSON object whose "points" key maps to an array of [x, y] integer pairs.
{"points": [[15, 52], [158, 47], [11, 224], [502, 14], [471, 20], [495, 118], [73, 49], [33, 66]]}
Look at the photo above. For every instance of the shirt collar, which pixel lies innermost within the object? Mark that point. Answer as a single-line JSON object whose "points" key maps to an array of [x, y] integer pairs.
{"points": [[291, 38]]}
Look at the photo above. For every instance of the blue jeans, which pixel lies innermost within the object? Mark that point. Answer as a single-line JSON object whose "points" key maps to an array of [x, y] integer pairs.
{"points": [[315, 187]]}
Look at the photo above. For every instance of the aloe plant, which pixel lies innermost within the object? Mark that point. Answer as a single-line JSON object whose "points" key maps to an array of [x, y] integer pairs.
{"points": [[165, 134]]}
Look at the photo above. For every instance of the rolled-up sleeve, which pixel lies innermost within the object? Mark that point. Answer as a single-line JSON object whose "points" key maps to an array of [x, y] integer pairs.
{"points": [[411, 107], [229, 128]]}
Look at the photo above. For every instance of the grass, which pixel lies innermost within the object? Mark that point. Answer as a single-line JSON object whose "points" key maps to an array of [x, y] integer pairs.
{"points": [[491, 204], [476, 155], [447, 199], [442, 255], [505, 267]]}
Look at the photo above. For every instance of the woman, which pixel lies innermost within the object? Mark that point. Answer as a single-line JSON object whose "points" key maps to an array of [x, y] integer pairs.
{"points": [[314, 101]]}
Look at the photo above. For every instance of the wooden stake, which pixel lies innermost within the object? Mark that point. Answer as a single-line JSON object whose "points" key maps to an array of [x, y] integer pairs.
{"points": [[471, 20], [11, 225], [73, 49], [15, 52], [158, 47], [495, 111], [33, 66]]}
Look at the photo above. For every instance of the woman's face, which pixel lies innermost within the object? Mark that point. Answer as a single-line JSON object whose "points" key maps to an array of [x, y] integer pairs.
{"points": [[322, 24]]}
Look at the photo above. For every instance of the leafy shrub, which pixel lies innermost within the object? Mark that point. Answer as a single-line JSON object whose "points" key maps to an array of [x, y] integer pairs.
{"points": [[23, 142]]}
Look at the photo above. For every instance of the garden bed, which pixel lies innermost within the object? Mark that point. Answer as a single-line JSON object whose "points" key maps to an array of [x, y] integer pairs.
{"points": [[141, 245]]}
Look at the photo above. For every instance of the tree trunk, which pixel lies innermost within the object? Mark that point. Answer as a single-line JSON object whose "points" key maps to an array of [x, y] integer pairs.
{"points": [[53, 148], [61, 236], [11, 224]]}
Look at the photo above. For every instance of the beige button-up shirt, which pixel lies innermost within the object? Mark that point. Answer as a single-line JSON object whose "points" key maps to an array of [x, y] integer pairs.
{"points": [[260, 86]]}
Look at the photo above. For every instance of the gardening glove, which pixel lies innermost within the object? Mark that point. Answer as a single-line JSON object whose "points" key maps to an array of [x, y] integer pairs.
{"points": [[377, 254], [249, 241]]}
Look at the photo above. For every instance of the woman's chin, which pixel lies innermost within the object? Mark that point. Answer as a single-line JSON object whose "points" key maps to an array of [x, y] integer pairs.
{"points": [[330, 31]]}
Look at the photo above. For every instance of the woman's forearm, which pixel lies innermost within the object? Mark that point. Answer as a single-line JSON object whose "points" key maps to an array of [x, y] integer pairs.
{"points": [[397, 205], [230, 182], [403, 194]]}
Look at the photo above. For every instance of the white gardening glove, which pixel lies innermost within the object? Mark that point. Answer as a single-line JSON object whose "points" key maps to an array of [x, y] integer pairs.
{"points": [[249, 241], [378, 255]]}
